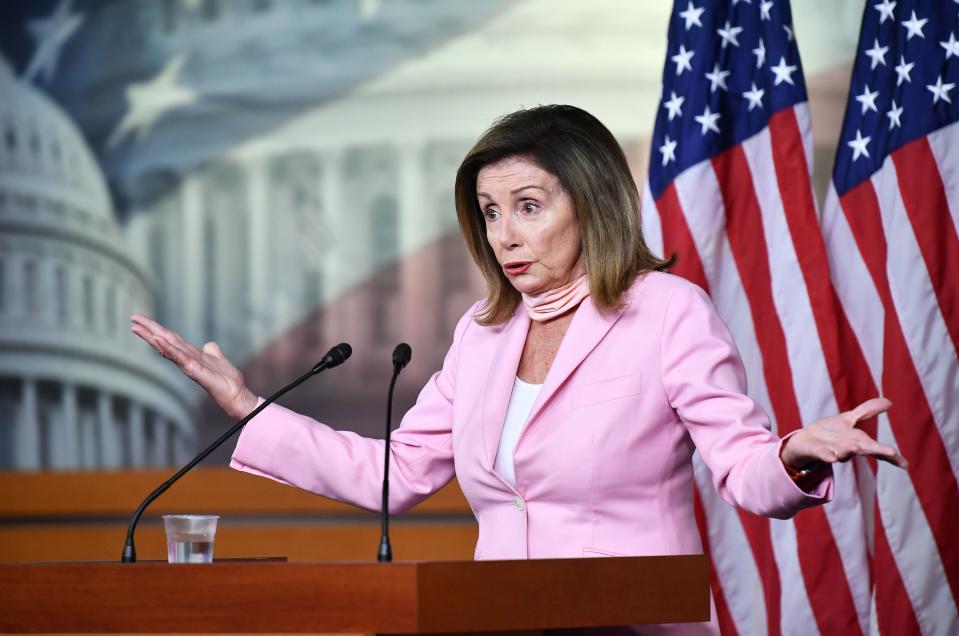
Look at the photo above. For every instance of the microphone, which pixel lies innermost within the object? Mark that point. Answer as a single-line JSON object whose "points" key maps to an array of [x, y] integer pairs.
{"points": [[401, 357], [334, 357]]}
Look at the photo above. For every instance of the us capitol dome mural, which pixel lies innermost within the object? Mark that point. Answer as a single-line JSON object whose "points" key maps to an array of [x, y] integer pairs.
{"points": [[73, 392]]}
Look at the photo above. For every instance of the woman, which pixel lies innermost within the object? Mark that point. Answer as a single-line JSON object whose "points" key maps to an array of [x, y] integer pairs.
{"points": [[573, 397]]}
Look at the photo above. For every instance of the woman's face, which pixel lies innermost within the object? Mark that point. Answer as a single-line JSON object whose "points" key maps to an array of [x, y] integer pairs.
{"points": [[530, 224]]}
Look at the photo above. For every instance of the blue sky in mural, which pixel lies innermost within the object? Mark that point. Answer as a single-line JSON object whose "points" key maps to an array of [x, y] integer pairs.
{"points": [[161, 86]]}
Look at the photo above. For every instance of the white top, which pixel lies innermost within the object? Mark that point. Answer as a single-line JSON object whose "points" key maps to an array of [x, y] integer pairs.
{"points": [[520, 404]]}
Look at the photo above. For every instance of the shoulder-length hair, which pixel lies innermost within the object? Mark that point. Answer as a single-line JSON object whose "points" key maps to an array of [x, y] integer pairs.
{"points": [[583, 154]]}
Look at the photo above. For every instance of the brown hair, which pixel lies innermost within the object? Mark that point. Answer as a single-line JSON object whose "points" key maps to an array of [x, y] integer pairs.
{"points": [[583, 154]]}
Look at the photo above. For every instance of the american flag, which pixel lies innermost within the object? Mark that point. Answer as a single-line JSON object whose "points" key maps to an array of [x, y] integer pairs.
{"points": [[730, 192], [890, 225]]}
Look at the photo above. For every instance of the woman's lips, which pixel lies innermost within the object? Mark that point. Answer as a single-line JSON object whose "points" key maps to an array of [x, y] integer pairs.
{"points": [[517, 267]]}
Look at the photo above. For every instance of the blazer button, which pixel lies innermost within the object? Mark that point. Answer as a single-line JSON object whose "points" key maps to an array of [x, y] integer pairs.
{"points": [[518, 502]]}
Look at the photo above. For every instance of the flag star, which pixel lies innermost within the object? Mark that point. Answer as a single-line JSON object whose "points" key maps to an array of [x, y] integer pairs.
{"points": [[885, 10], [858, 146], [940, 90], [760, 53], [789, 32], [708, 121], [668, 150], [682, 60], [903, 71], [148, 101], [894, 113], [783, 72], [691, 15], [877, 54], [729, 34], [764, 8], [717, 78], [755, 96], [867, 99], [50, 34], [951, 46], [674, 105], [914, 26]]}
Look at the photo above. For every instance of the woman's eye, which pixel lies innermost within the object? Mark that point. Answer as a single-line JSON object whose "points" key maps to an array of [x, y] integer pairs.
{"points": [[491, 214], [530, 207]]}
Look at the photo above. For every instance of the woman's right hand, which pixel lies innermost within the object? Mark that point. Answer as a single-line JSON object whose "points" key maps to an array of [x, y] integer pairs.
{"points": [[207, 367]]}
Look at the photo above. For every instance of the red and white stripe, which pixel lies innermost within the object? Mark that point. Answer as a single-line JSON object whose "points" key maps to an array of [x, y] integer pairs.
{"points": [[819, 335], [894, 255]]}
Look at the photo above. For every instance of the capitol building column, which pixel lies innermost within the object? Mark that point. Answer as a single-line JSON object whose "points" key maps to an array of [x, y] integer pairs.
{"points": [[336, 219], [48, 292], [191, 224], [182, 448], [414, 209], [258, 250], [17, 306], [108, 436], [159, 456], [137, 435], [68, 437], [27, 433], [88, 440]]}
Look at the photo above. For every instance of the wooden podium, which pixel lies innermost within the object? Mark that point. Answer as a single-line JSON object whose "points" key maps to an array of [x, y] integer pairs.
{"points": [[386, 598]]}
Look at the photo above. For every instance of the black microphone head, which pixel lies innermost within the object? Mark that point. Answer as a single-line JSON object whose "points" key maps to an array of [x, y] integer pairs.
{"points": [[336, 356], [402, 355]]}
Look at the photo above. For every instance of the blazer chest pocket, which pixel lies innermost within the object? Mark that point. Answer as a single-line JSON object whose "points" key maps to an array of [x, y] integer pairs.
{"points": [[606, 390]]}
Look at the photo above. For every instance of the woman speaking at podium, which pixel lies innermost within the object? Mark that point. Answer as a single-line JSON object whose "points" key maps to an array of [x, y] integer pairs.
{"points": [[573, 396]]}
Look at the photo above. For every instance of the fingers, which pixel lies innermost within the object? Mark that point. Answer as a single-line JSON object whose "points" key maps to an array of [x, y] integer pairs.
{"points": [[184, 357], [897, 460], [150, 338], [868, 447], [160, 344], [828, 455], [868, 409], [157, 329]]}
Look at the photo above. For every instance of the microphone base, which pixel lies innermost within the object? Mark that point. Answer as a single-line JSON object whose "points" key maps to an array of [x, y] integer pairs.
{"points": [[385, 555]]}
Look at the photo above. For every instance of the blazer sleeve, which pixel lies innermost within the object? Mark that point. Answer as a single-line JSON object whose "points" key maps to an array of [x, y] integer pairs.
{"points": [[705, 382], [297, 450]]}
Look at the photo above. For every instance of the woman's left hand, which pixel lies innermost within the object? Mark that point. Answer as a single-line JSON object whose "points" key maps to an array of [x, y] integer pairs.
{"points": [[836, 439]]}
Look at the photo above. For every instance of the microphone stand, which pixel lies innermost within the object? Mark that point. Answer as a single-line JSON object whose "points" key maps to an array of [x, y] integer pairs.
{"points": [[401, 357], [336, 356]]}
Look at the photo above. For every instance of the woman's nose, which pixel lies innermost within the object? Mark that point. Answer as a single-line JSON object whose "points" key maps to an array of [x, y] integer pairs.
{"points": [[509, 235]]}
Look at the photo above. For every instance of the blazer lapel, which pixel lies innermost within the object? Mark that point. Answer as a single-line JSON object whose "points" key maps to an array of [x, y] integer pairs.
{"points": [[585, 331], [500, 378]]}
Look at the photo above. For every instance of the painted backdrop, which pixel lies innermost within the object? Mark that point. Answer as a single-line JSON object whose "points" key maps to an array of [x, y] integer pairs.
{"points": [[277, 177]]}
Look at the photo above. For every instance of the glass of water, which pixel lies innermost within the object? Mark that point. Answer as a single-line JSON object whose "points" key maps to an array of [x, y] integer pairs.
{"points": [[189, 538]]}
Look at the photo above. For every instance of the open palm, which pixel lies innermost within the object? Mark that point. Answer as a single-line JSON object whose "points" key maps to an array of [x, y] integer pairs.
{"points": [[207, 367], [836, 439]]}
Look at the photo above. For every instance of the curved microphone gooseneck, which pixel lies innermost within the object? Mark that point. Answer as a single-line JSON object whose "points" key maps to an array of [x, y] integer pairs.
{"points": [[401, 357], [334, 357]]}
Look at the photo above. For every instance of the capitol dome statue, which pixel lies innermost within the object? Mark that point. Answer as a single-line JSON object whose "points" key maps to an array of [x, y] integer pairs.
{"points": [[75, 391]]}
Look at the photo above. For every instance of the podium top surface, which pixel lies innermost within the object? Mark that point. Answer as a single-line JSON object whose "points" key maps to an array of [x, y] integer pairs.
{"points": [[352, 597]]}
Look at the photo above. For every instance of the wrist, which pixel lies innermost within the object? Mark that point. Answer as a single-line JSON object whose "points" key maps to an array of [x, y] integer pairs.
{"points": [[798, 468], [244, 405], [789, 459]]}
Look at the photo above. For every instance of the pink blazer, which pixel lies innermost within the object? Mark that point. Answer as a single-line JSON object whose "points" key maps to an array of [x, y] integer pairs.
{"points": [[604, 463]]}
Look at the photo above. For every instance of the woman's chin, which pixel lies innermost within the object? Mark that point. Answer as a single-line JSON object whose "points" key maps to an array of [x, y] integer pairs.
{"points": [[528, 287]]}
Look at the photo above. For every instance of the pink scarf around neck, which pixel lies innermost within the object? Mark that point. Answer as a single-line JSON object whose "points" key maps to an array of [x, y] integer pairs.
{"points": [[556, 302]]}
